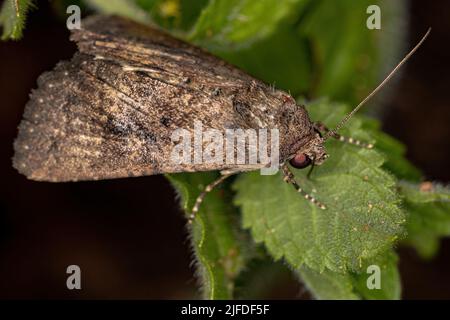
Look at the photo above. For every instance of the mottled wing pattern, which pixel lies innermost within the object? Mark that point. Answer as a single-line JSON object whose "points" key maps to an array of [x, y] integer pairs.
{"points": [[111, 110]]}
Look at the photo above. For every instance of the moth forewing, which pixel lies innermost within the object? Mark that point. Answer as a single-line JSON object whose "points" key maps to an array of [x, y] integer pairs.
{"points": [[111, 111]]}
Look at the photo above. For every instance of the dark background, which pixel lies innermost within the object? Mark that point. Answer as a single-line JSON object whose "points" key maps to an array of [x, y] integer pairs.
{"points": [[128, 235]]}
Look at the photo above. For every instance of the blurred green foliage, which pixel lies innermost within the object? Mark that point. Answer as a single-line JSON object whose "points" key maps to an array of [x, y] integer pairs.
{"points": [[13, 15], [429, 207]]}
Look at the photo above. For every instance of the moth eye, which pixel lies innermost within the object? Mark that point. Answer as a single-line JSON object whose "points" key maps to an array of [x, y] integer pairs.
{"points": [[300, 161]]}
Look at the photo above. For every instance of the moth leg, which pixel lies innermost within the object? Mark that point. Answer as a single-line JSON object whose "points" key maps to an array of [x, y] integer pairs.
{"points": [[321, 127], [289, 178], [203, 194], [312, 166], [242, 168]]}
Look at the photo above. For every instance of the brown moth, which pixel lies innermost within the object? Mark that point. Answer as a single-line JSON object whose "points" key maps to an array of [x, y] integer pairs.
{"points": [[111, 110]]}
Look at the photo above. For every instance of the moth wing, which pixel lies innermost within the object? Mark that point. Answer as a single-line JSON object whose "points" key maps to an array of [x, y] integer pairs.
{"points": [[110, 112], [212, 90]]}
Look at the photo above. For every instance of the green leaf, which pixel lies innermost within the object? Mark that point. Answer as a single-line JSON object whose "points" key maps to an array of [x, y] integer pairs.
{"points": [[12, 18], [173, 14], [165, 13], [220, 248], [230, 24], [281, 59], [389, 279], [328, 285], [396, 161], [125, 8], [260, 277], [362, 219], [190, 11], [331, 285], [429, 208]]}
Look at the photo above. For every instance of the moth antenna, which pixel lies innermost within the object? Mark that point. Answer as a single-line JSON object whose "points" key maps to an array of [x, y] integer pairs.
{"points": [[378, 88]]}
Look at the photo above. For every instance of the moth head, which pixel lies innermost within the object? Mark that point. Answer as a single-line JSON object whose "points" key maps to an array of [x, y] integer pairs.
{"points": [[313, 153]]}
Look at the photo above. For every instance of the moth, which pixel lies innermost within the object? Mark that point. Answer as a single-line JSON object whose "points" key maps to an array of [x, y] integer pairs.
{"points": [[110, 111]]}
